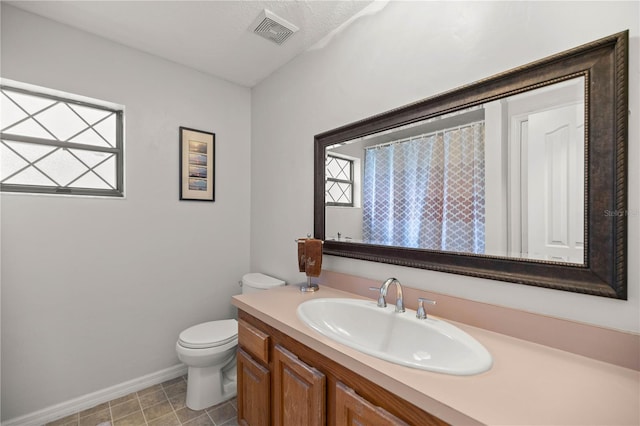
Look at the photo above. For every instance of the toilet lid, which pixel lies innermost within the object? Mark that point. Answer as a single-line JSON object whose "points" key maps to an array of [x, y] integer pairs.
{"points": [[209, 334]]}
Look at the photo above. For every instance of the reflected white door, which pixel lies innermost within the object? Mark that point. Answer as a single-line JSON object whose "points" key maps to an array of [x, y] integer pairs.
{"points": [[555, 178]]}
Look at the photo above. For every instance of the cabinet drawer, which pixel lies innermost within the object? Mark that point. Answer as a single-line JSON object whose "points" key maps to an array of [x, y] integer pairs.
{"points": [[253, 341]]}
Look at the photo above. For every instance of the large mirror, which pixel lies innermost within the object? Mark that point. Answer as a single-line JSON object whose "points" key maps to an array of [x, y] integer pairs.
{"points": [[520, 177]]}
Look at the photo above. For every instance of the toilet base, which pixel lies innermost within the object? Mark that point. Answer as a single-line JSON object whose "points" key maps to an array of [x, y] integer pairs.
{"points": [[207, 386]]}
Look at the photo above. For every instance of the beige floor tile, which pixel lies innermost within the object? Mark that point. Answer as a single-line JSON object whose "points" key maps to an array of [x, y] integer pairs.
{"points": [[172, 382], [185, 414], [95, 409], [168, 420], [175, 388], [222, 413], [135, 419], [152, 398], [157, 411], [150, 389], [234, 402], [97, 418], [66, 421], [124, 409], [158, 405], [178, 401], [202, 420], [228, 401], [123, 399]]}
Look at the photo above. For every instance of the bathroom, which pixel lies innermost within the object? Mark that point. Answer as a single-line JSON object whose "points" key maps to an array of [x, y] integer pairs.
{"points": [[96, 290]]}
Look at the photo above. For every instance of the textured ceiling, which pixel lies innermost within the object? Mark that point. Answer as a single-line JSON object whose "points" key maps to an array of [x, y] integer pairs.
{"points": [[215, 37]]}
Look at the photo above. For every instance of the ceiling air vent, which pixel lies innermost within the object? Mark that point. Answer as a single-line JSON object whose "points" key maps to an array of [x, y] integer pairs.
{"points": [[272, 27]]}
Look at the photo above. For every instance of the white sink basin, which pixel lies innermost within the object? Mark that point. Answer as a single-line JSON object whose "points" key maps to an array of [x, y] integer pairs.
{"points": [[430, 344]]}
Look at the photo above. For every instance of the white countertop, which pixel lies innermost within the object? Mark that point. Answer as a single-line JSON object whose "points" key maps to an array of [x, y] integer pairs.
{"points": [[529, 384]]}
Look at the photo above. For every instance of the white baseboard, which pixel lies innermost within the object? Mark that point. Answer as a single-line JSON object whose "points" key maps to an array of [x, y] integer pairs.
{"points": [[84, 402]]}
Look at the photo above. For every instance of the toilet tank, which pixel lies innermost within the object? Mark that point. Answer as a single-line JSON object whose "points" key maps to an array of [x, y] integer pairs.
{"points": [[256, 281]]}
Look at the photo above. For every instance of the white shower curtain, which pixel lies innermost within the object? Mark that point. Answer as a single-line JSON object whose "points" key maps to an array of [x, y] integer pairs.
{"points": [[427, 192]]}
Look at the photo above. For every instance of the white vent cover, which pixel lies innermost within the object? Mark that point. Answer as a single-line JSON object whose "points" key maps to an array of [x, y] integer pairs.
{"points": [[272, 27]]}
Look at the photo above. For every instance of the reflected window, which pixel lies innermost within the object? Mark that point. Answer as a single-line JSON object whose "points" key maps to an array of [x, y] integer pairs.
{"points": [[339, 181]]}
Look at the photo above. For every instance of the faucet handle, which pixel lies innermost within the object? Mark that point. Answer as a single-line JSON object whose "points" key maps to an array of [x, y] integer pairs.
{"points": [[421, 313], [382, 303]]}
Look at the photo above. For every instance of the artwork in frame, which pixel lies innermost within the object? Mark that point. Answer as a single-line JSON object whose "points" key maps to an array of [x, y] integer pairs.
{"points": [[197, 165]]}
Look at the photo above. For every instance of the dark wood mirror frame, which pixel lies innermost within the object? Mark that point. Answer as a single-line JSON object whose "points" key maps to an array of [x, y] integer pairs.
{"points": [[604, 65]]}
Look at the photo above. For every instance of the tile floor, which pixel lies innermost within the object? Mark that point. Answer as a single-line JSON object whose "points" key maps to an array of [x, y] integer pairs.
{"points": [[158, 405]]}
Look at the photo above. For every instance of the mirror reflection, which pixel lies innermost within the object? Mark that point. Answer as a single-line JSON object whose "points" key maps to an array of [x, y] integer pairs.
{"points": [[505, 178]]}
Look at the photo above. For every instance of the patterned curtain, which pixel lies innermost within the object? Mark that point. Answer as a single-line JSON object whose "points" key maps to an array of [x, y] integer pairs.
{"points": [[427, 192]]}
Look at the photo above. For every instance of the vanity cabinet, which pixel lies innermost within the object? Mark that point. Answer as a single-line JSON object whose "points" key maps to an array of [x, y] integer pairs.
{"points": [[254, 390], [299, 391], [254, 376], [283, 382]]}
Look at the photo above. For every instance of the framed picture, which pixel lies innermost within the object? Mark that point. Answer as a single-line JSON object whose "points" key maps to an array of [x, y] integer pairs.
{"points": [[197, 165]]}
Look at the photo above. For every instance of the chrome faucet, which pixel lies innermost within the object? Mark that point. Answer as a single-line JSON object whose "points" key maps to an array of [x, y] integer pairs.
{"points": [[382, 303]]}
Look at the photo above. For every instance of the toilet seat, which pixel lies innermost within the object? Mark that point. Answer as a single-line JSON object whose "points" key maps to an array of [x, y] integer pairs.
{"points": [[209, 334]]}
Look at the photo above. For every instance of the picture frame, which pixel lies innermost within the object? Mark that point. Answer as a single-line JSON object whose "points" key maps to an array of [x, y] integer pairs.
{"points": [[197, 165]]}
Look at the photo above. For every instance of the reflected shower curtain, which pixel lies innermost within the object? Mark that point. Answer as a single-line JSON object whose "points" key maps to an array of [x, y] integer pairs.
{"points": [[427, 192]]}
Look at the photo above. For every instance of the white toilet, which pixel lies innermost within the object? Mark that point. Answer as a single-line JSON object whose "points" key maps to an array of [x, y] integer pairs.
{"points": [[209, 350]]}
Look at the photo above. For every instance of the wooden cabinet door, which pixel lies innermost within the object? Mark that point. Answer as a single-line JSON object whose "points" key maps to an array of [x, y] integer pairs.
{"points": [[353, 410], [254, 388], [299, 391]]}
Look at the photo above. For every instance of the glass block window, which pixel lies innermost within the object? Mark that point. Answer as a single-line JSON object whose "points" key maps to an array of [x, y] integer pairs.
{"points": [[55, 145], [339, 181]]}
